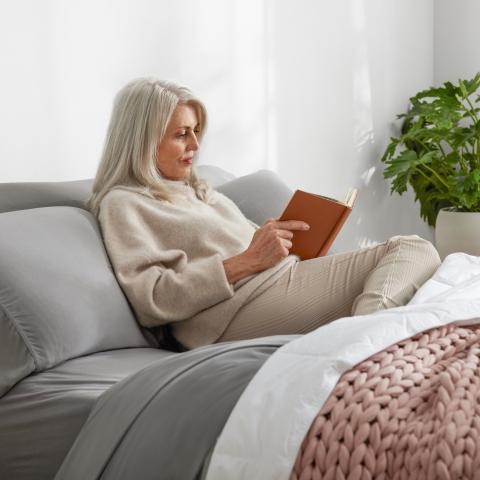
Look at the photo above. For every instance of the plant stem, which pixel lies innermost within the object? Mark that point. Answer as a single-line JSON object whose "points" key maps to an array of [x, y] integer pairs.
{"points": [[471, 111], [462, 161], [444, 193], [430, 179], [477, 153], [475, 147], [440, 179]]}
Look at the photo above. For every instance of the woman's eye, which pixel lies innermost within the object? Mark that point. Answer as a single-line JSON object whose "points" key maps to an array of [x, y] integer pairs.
{"points": [[185, 133]]}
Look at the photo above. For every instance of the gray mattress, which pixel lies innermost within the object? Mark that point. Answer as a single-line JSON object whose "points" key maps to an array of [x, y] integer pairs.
{"points": [[42, 415]]}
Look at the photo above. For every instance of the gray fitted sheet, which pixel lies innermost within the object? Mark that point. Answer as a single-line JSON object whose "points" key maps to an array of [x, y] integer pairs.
{"points": [[43, 414], [161, 423]]}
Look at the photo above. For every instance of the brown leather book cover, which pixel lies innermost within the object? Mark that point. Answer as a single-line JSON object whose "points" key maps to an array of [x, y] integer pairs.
{"points": [[325, 216]]}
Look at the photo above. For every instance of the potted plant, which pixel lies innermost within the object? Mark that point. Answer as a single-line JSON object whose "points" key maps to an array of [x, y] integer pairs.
{"points": [[438, 155]]}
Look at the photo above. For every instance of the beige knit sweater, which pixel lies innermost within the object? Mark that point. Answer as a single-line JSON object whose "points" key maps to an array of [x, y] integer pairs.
{"points": [[167, 257]]}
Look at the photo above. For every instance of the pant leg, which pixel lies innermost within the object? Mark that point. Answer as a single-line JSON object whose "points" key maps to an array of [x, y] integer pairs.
{"points": [[314, 292], [407, 262]]}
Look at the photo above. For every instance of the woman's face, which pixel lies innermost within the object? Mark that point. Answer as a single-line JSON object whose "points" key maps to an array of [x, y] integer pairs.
{"points": [[179, 144]]}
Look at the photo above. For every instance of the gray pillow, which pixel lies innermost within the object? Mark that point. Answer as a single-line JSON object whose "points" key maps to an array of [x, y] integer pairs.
{"points": [[59, 298], [260, 195], [213, 175], [23, 195]]}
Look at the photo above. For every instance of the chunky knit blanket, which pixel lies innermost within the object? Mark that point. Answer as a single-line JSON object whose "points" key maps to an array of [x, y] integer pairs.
{"points": [[411, 411]]}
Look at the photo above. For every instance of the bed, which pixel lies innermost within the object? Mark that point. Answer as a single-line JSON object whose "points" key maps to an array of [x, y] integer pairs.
{"points": [[86, 393]]}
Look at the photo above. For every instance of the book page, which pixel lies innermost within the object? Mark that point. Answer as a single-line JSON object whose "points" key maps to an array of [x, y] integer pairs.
{"points": [[351, 197]]}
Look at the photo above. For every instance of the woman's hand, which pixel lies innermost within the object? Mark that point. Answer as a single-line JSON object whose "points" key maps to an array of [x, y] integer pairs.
{"points": [[270, 244]]}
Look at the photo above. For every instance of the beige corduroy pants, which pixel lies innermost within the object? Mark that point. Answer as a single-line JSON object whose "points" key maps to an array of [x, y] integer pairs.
{"points": [[314, 292]]}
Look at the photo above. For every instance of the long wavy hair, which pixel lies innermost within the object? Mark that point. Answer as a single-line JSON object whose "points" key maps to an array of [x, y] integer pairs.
{"points": [[140, 115]]}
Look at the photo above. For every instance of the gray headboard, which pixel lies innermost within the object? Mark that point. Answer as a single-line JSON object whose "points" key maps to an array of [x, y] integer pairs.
{"points": [[25, 195]]}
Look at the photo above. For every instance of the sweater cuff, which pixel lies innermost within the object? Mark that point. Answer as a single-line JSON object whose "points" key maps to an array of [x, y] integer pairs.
{"points": [[216, 281], [219, 278]]}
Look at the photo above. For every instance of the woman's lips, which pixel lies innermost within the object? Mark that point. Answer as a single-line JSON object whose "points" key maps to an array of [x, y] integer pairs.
{"points": [[187, 161]]}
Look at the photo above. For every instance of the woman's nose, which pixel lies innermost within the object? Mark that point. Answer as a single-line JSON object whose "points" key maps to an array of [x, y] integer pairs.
{"points": [[193, 143]]}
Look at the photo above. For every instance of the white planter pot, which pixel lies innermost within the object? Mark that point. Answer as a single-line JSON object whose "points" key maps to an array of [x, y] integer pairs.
{"points": [[457, 232]]}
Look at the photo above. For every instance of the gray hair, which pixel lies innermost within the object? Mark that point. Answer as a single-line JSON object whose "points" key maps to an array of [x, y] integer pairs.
{"points": [[140, 115]]}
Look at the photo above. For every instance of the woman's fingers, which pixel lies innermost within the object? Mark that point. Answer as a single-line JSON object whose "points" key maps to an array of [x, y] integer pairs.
{"points": [[269, 223], [284, 233], [291, 225], [275, 237]]}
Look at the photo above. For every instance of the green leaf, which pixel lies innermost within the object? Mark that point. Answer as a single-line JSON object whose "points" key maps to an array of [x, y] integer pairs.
{"points": [[463, 89], [462, 136], [471, 86], [390, 150], [402, 163]]}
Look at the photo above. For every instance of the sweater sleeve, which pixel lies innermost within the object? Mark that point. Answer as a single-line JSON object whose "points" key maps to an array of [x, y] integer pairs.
{"points": [[253, 224], [162, 285]]}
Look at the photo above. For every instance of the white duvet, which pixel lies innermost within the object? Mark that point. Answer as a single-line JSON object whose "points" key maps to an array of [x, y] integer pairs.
{"points": [[267, 426]]}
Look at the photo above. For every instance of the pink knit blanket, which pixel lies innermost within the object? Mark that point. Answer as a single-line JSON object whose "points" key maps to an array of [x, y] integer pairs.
{"points": [[411, 411]]}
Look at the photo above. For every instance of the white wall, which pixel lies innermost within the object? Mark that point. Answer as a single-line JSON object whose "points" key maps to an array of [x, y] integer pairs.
{"points": [[308, 88], [342, 71], [63, 61], [457, 53]]}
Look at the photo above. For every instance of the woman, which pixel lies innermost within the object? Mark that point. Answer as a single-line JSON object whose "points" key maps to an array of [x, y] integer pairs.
{"points": [[189, 261]]}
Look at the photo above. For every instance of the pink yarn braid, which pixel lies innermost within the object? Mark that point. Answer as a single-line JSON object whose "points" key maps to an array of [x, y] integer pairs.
{"points": [[409, 412]]}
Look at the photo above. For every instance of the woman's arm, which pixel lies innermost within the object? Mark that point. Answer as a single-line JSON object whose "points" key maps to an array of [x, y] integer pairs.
{"points": [[270, 244]]}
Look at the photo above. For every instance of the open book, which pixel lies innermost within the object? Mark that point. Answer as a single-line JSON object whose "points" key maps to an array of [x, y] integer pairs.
{"points": [[325, 216]]}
